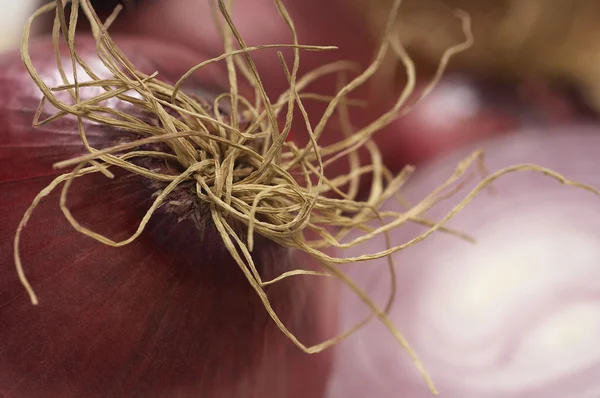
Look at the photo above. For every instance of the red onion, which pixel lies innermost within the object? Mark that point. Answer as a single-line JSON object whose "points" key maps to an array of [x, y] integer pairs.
{"points": [[515, 315], [168, 315]]}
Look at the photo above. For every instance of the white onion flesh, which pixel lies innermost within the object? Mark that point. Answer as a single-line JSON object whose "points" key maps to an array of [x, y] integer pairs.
{"points": [[515, 315]]}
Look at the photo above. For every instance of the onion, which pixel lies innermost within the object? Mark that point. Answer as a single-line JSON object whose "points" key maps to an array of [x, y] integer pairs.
{"points": [[168, 315], [175, 298], [515, 315]]}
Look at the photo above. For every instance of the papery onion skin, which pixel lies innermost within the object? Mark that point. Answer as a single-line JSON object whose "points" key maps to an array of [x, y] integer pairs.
{"points": [[515, 315], [169, 315]]}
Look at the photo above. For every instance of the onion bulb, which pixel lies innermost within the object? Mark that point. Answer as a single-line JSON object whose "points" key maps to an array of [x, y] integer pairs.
{"points": [[515, 314], [168, 315]]}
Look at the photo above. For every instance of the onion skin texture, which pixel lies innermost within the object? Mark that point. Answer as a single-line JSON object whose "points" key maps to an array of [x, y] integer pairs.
{"points": [[515, 315], [169, 315]]}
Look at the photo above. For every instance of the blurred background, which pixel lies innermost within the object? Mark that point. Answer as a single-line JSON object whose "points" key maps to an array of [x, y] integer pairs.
{"points": [[12, 17], [544, 49]]}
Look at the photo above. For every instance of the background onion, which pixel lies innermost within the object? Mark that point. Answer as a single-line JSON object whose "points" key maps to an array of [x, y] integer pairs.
{"points": [[517, 314], [463, 109], [167, 315]]}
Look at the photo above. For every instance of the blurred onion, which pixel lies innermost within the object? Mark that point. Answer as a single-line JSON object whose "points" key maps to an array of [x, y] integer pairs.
{"points": [[14, 14], [515, 315]]}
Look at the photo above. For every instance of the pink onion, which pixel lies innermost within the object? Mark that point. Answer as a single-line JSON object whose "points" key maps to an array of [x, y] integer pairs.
{"points": [[168, 315], [515, 315]]}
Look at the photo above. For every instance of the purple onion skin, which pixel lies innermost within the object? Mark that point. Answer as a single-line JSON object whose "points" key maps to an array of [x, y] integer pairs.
{"points": [[169, 315], [516, 315]]}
